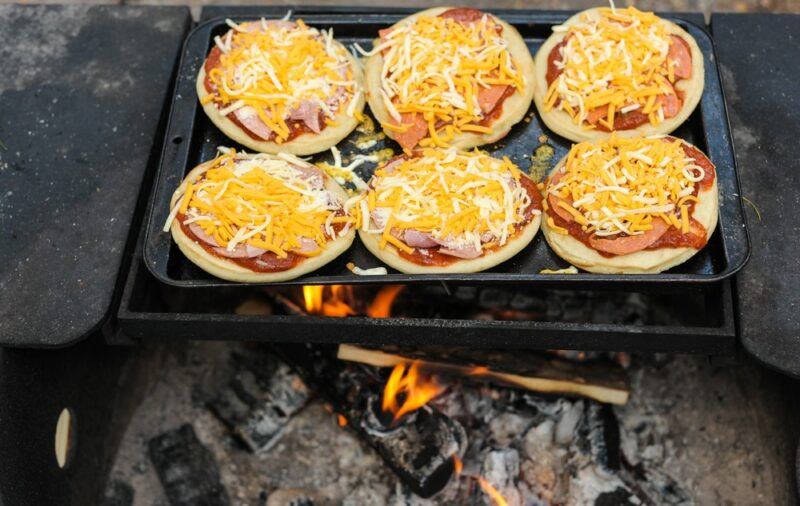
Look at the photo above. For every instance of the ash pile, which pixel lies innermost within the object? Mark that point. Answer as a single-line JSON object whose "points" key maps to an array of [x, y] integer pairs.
{"points": [[295, 425]]}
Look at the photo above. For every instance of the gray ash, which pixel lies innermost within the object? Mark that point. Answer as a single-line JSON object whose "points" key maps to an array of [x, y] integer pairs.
{"points": [[534, 450]]}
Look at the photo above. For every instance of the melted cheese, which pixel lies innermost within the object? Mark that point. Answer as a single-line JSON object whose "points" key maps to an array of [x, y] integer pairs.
{"points": [[268, 202], [618, 185], [437, 66], [275, 66], [456, 197], [346, 173], [618, 61]]}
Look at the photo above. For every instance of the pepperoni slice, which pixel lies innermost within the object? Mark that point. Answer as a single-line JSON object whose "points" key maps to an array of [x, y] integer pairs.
{"points": [[681, 54], [489, 97], [553, 200], [632, 243], [555, 55], [463, 15], [248, 117], [415, 133]]}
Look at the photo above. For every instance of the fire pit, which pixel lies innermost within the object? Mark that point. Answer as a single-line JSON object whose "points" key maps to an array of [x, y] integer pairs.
{"points": [[235, 418], [414, 394]]}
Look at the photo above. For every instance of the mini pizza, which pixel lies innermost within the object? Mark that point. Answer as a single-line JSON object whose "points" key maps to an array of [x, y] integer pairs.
{"points": [[620, 70], [259, 218], [281, 86], [620, 205], [447, 211], [449, 77]]}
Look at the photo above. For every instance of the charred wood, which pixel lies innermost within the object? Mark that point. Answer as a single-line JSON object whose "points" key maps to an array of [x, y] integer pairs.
{"points": [[118, 493], [600, 381], [187, 469], [260, 399], [419, 447]]}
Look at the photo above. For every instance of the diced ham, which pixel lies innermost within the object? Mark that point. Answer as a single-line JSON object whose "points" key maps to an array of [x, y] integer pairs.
{"points": [[248, 117], [312, 174], [632, 243], [380, 216], [466, 252], [197, 230], [409, 139], [417, 239], [488, 97], [681, 54], [487, 236], [307, 245], [383, 33], [450, 247], [392, 164], [240, 251], [307, 112]]}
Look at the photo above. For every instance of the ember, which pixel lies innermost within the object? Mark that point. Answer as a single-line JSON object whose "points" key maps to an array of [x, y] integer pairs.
{"points": [[415, 388], [497, 497]]}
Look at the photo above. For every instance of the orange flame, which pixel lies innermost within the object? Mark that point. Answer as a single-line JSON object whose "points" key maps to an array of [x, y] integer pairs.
{"points": [[457, 464], [335, 305], [381, 306], [492, 492], [341, 420], [418, 390], [478, 370], [312, 295]]}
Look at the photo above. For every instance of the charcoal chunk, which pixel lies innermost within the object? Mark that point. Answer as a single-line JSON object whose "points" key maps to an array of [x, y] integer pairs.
{"points": [[187, 469], [118, 493], [260, 399], [616, 497], [420, 449]]}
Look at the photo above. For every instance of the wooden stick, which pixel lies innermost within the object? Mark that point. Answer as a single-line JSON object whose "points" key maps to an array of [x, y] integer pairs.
{"points": [[540, 375]]}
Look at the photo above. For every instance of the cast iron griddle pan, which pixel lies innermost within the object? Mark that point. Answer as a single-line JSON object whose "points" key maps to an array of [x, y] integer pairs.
{"points": [[191, 139]]}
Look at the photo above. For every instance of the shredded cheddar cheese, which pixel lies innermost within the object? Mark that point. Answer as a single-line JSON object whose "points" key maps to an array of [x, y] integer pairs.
{"points": [[277, 204], [461, 199], [621, 186], [614, 64], [437, 67], [277, 67]]}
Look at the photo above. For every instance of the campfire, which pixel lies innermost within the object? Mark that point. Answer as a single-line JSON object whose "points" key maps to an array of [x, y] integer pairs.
{"points": [[450, 426]]}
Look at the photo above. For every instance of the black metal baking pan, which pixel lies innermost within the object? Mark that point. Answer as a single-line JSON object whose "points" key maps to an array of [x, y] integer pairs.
{"points": [[154, 311], [191, 138]]}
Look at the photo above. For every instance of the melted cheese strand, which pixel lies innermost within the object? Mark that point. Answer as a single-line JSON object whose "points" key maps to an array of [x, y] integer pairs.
{"points": [[621, 185]]}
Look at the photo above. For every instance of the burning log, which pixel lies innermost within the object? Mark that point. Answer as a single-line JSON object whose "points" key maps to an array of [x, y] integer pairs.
{"points": [[260, 399], [418, 444], [187, 469], [598, 381]]}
